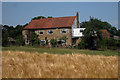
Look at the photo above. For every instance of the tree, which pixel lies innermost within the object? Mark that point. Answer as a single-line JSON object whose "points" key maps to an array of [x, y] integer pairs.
{"points": [[113, 30], [118, 32], [41, 17], [53, 42], [91, 34], [18, 30], [82, 45], [19, 40], [49, 17], [13, 32], [34, 39], [97, 23], [38, 17], [5, 38]]}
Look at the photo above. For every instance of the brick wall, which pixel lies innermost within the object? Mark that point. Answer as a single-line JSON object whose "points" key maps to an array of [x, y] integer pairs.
{"points": [[28, 32], [55, 35]]}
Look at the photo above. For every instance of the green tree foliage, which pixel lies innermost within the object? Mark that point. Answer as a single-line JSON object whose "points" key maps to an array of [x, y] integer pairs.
{"points": [[34, 39], [112, 30], [82, 45], [99, 25], [91, 33], [43, 44], [38, 17], [19, 40], [49, 17], [118, 32], [53, 42], [41, 17], [13, 32], [108, 44], [93, 27], [4, 38]]}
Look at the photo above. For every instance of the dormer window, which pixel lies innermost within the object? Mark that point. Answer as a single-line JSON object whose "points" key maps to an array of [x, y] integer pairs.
{"points": [[40, 32], [50, 32], [64, 30]]}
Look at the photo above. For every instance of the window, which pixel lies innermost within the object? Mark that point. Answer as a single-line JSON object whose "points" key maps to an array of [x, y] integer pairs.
{"points": [[40, 32], [50, 32], [26, 39], [64, 30], [81, 30], [42, 41]]}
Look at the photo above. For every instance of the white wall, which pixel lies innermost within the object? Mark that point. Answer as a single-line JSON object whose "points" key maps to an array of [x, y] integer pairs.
{"points": [[76, 32]]}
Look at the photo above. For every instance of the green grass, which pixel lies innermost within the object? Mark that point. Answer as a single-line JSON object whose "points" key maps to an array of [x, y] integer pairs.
{"points": [[60, 50]]}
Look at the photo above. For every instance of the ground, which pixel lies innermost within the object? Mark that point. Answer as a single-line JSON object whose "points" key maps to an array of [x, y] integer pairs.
{"points": [[29, 62]]}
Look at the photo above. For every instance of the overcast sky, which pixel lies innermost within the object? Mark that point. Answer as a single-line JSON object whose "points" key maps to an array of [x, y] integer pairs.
{"points": [[14, 13]]}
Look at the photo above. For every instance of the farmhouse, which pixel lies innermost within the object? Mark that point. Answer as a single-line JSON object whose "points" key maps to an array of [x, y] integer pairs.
{"points": [[55, 28]]}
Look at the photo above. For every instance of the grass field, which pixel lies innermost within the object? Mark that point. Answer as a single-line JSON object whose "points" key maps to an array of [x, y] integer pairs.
{"points": [[60, 50], [31, 62]]}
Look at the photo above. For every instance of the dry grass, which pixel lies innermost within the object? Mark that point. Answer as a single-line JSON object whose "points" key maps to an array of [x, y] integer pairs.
{"points": [[16, 64]]}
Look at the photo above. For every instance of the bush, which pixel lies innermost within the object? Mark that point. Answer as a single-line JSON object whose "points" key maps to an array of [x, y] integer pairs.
{"points": [[19, 40], [5, 40], [118, 43], [53, 42], [82, 45], [108, 44], [43, 44], [102, 43], [34, 39]]}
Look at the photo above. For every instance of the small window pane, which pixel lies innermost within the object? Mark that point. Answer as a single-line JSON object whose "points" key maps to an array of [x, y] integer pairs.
{"points": [[42, 41], [81, 30], [50, 32], [40, 32], [64, 31]]}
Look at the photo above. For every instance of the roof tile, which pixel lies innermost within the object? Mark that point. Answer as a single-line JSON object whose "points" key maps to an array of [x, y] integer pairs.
{"points": [[51, 23]]}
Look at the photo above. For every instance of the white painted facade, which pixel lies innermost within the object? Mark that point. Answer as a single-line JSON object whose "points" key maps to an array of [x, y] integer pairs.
{"points": [[77, 32]]}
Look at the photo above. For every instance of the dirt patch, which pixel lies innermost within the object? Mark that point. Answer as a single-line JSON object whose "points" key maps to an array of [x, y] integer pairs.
{"points": [[16, 64]]}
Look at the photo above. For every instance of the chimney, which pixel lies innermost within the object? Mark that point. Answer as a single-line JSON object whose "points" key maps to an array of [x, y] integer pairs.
{"points": [[77, 20]]}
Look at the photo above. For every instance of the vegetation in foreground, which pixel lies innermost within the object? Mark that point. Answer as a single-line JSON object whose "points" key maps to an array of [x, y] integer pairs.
{"points": [[17, 64], [60, 50]]}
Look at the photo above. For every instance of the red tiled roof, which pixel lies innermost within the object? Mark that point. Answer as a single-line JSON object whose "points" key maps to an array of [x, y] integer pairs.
{"points": [[105, 33], [51, 23]]}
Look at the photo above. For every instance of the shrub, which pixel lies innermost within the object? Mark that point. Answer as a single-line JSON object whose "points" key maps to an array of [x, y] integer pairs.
{"points": [[5, 40], [43, 44], [34, 39], [19, 40], [108, 44], [82, 45], [53, 42]]}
